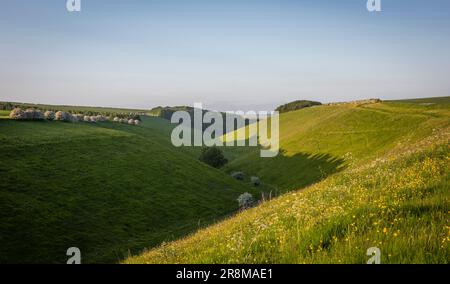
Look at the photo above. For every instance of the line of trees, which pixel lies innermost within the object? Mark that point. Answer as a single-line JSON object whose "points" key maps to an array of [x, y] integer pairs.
{"points": [[110, 114], [296, 105]]}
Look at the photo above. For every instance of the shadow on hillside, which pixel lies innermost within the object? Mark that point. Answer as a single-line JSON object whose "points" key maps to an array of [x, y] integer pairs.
{"points": [[286, 173]]}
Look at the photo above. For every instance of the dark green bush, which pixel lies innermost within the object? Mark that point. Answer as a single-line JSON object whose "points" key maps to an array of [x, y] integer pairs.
{"points": [[296, 105], [213, 156]]}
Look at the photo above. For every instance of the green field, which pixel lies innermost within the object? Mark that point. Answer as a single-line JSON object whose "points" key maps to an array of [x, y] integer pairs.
{"points": [[4, 113], [108, 189], [349, 177], [371, 175]]}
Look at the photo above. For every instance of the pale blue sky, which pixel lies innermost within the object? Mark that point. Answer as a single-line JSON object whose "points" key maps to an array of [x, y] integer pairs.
{"points": [[228, 54]]}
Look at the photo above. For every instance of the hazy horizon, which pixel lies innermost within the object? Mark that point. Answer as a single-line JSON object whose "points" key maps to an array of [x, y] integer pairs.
{"points": [[228, 55]]}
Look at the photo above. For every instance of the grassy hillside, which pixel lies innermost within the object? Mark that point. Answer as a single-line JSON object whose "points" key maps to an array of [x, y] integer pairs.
{"points": [[106, 188], [322, 140], [436, 102], [388, 188]]}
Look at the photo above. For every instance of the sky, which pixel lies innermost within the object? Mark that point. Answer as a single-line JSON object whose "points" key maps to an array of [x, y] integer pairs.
{"points": [[226, 54]]}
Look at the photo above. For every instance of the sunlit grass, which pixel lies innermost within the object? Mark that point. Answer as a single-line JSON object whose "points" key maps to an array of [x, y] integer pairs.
{"points": [[391, 191], [400, 205]]}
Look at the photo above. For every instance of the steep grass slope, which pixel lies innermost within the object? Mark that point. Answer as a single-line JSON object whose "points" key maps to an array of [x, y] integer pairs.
{"points": [[106, 188], [392, 194], [322, 140]]}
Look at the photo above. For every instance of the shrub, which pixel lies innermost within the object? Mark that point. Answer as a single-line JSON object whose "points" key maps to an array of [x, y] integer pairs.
{"points": [[38, 115], [245, 200], [296, 105], [255, 181], [29, 114], [49, 115], [73, 118], [238, 175], [213, 156], [18, 114], [80, 116], [62, 116], [101, 118], [32, 114]]}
